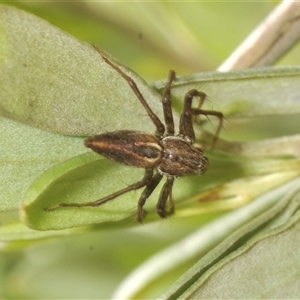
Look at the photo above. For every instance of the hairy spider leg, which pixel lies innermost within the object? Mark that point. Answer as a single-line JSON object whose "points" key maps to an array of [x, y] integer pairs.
{"points": [[146, 180], [164, 197], [160, 127], [146, 194], [167, 105], [186, 128], [218, 114], [202, 97]]}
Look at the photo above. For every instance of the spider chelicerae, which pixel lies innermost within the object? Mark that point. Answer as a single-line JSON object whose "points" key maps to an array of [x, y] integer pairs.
{"points": [[162, 154]]}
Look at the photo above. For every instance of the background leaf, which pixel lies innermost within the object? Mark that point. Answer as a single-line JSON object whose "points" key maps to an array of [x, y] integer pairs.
{"points": [[265, 275], [239, 94]]}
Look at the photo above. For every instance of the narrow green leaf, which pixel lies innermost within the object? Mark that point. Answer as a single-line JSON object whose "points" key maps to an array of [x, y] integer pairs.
{"points": [[246, 93], [270, 269], [267, 228], [16, 234]]}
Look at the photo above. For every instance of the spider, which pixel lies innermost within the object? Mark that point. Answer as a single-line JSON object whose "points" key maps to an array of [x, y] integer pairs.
{"points": [[162, 154]]}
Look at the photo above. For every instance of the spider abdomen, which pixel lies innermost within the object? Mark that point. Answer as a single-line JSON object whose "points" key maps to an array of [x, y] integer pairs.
{"points": [[132, 148], [181, 158]]}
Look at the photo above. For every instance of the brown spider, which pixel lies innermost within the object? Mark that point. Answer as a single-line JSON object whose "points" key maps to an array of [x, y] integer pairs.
{"points": [[161, 154]]}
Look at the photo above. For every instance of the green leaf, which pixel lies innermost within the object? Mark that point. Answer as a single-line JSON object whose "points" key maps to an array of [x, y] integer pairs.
{"points": [[263, 243], [81, 179], [282, 265], [52, 81], [26, 152], [246, 93], [270, 266], [18, 235]]}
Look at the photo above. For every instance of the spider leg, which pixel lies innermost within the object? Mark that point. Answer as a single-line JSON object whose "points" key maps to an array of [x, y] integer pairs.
{"points": [[167, 107], [218, 114], [186, 128], [155, 180], [165, 195], [145, 181], [160, 128]]}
